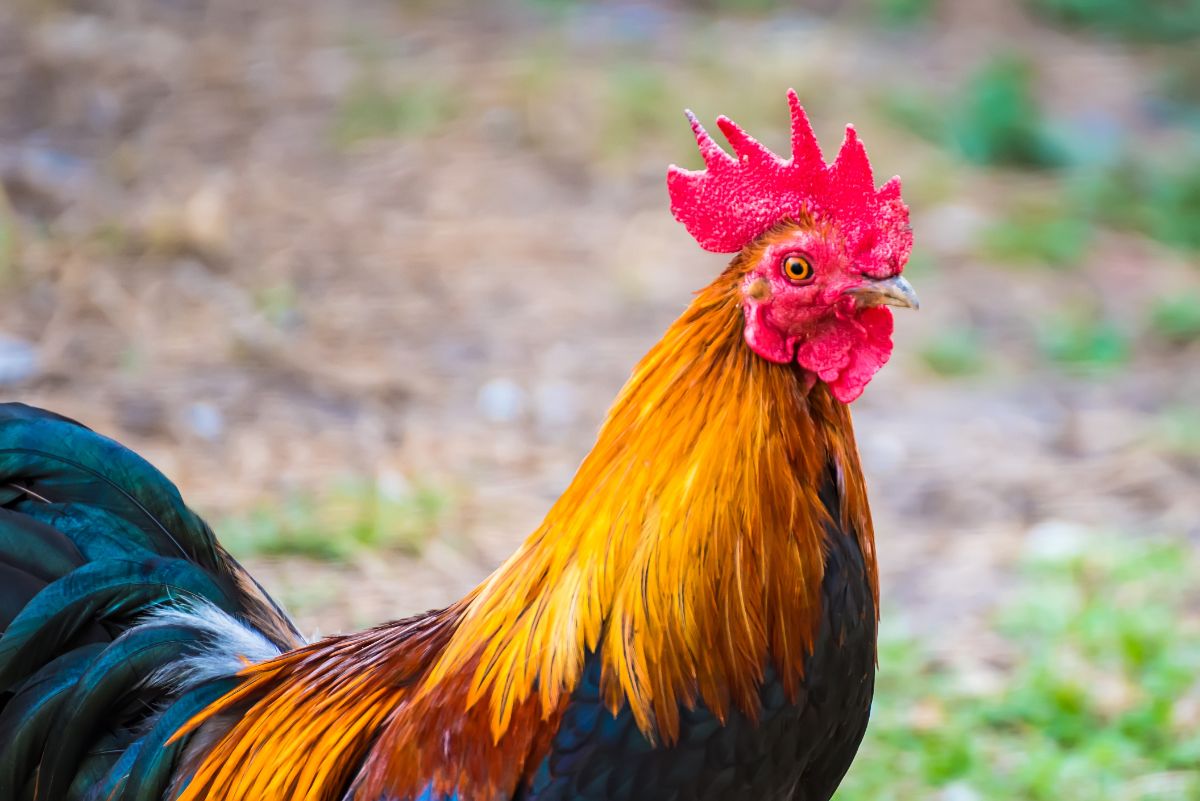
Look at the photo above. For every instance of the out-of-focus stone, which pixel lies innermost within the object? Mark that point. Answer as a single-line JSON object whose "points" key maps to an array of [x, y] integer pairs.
{"points": [[18, 361], [501, 400], [205, 420]]}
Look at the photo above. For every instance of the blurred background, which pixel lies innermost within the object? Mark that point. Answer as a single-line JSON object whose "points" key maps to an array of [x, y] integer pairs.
{"points": [[363, 277]]}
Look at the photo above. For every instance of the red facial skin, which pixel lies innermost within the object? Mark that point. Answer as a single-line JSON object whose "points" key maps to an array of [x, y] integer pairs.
{"points": [[814, 322]]}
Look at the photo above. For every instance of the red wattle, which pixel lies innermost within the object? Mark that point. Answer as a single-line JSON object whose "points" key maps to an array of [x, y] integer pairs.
{"points": [[848, 352]]}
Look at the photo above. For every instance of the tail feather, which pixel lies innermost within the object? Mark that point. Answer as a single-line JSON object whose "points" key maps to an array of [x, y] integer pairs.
{"points": [[112, 593], [49, 458], [113, 784], [16, 588], [152, 771], [31, 714], [96, 533], [96, 766], [120, 615], [111, 682], [36, 548]]}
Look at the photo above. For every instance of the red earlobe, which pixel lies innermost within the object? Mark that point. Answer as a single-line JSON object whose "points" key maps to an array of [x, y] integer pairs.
{"points": [[765, 339]]}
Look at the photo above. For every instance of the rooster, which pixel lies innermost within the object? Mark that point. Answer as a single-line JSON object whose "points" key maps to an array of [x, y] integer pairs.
{"points": [[694, 619]]}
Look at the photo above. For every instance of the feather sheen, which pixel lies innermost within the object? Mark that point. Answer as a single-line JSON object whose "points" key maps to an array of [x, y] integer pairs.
{"points": [[687, 552]]}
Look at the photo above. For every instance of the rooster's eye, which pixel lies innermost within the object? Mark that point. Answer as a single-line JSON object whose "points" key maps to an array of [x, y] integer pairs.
{"points": [[797, 268]]}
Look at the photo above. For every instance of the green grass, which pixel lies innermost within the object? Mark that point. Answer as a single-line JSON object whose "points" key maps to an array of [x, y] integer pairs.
{"points": [[1168, 20], [999, 121], [373, 110], [8, 239], [993, 119], [954, 352], [278, 302], [1149, 193], [354, 516], [902, 13], [1178, 431], [1176, 318], [1179, 87], [1056, 240], [739, 6], [1084, 342], [636, 102], [1101, 703]]}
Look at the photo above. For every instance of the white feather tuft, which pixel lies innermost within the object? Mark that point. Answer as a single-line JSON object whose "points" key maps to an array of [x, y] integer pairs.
{"points": [[225, 645]]}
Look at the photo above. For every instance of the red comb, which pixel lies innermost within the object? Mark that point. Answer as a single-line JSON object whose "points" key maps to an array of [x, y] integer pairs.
{"points": [[735, 199]]}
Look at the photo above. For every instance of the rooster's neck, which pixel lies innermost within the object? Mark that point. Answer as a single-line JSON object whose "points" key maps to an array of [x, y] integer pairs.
{"points": [[686, 554], [688, 549]]}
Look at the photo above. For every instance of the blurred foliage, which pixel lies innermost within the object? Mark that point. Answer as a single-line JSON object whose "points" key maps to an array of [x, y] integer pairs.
{"points": [[1083, 341], [637, 100], [954, 352], [902, 13], [1056, 239], [1176, 318], [1179, 86], [1160, 200], [279, 303], [1170, 20], [554, 6], [738, 6], [1101, 703], [371, 109], [999, 121], [353, 516], [1178, 430], [918, 112], [891, 13], [994, 119]]}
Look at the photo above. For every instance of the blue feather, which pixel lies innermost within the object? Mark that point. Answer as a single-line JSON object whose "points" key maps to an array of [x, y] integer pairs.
{"points": [[29, 717], [99, 591]]}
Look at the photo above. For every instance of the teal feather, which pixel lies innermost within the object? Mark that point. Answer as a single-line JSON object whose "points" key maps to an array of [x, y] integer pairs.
{"points": [[23, 411], [31, 715], [92, 540], [100, 694], [36, 548], [64, 462], [97, 765], [113, 785], [113, 590], [96, 533], [152, 770], [16, 588]]}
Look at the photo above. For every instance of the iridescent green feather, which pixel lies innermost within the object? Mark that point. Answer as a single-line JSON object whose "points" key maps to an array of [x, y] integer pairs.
{"points": [[93, 541]]}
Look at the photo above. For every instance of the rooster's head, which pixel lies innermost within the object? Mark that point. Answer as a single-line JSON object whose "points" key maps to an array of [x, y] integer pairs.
{"points": [[820, 249]]}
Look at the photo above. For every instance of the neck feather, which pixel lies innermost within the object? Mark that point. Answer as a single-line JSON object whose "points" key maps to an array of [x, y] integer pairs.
{"points": [[687, 552], [689, 547]]}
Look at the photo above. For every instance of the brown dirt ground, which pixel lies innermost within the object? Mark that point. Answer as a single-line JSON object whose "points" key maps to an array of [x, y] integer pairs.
{"points": [[194, 245]]}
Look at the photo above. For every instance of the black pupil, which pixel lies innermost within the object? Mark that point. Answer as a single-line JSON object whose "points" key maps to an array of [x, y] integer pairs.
{"points": [[798, 267]]}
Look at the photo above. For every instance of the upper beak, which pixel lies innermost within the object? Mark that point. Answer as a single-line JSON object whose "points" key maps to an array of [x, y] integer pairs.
{"points": [[895, 291]]}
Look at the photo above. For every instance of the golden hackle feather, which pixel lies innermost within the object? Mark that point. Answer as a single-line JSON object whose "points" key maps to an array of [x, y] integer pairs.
{"points": [[688, 551]]}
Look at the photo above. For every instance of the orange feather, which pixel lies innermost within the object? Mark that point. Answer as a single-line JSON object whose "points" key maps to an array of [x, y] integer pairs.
{"points": [[688, 550]]}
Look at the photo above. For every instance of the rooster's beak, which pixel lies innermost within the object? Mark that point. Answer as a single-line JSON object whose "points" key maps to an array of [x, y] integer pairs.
{"points": [[895, 291]]}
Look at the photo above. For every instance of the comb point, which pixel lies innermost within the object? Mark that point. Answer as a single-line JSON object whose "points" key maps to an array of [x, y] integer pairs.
{"points": [[738, 197]]}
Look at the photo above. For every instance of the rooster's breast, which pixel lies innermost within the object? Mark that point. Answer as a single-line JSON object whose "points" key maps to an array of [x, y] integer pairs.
{"points": [[794, 752]]}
